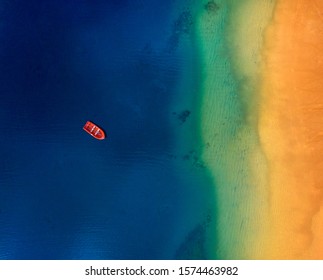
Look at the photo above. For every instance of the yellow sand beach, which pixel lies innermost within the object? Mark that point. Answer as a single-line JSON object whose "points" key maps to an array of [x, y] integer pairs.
{"points": [[291, 130]]}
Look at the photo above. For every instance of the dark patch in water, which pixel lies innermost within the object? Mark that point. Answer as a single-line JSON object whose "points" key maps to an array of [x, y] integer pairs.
{"points": [[186, 157], [184, 23], [191, 157], [211, 7], [181, 26], [193, 247], [198, 163], [182, 116]]}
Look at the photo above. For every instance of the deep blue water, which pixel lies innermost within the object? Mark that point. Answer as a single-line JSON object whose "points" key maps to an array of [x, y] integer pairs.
{"points": [[65, 195]]}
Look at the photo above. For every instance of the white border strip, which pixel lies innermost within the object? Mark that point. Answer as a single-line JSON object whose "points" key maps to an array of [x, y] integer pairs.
{"points": [[167, 270]]}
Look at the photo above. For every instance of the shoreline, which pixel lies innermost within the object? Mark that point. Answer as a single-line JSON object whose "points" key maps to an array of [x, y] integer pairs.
{"points": [[229, 127]]}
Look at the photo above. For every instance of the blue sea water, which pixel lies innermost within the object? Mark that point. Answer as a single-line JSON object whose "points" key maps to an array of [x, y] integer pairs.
{"points": [[65, 195]]}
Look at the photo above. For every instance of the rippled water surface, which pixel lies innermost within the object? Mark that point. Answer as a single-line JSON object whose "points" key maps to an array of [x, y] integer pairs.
{"points": [[140, 194]]}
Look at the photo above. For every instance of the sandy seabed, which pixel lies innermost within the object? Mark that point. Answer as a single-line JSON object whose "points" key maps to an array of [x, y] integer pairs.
{"points": [[261, 122]]}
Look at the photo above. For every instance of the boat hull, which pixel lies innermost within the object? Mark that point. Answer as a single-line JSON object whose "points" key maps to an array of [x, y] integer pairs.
{"points": [[94, 130]]}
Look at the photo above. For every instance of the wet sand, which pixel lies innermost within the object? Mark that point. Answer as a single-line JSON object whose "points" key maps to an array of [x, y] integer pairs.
{"points": [[230, 70]]}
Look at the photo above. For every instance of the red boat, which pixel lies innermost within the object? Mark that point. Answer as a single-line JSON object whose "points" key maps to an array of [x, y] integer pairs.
{"points": [[94, 130]]}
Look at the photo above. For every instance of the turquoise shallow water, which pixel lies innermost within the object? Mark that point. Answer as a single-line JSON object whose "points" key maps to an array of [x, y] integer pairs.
{"points": [[143, 193], [229, 43]]}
